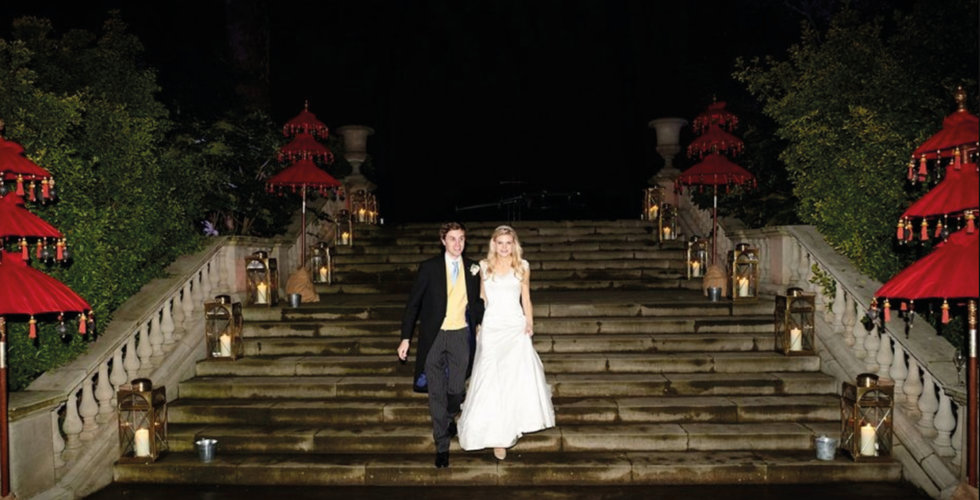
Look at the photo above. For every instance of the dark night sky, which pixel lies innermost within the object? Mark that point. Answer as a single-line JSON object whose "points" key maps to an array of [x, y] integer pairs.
{"points": [[463, 95]]}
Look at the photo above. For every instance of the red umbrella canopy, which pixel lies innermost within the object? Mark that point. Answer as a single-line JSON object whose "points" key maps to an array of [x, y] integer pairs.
{"points": [[716, 114], [27, 291], [14, 163], [950, 271], [960, 130], [303, 173], [306, 122], [959, 191], [715, 140], [15, 220], [715, 170], [303, 146]]}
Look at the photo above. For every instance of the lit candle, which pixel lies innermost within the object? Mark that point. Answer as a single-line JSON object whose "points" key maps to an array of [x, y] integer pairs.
{"points": [[261, 293], [141, 444], [345, 238], [867, 440], [795, 340], [323, 273], [653, 211], [666, 232], [225, 341], [743, 287], [695, 269], [360, 215]]}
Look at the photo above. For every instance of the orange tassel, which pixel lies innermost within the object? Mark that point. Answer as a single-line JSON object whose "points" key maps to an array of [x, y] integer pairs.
{"points": [[888, 311], [45, 189], [20, 185], [901, 230], [23, 250], [912, 170], [903, 307], [970, 225], [82, 322], [37, 251], [945, 312], [60, 249], [922, 169], [939, 229], [956, 159], [32, 191], [925, 230], [33, 323], [908, 230]]}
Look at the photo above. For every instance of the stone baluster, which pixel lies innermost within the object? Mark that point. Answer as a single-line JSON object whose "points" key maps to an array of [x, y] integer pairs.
{"points": [[145, 348], [214, 276], [944, 424], [103, 393], [853, 330], [838, 317], [884, 356], [132, 363], [797, 261], [178, 307], [871, 345], [72, 428], [188, 302], [88, 409], [928, 405], [167, 324], [118, 376], [912, 389], [958, 435], [898, 371], [197, 294], [156, 336], [57, 441], [206, 288], [230, 269]]}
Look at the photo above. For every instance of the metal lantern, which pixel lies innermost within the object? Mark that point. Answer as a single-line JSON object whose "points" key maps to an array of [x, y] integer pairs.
{"points": [[866, 412], [261, 279], [223, 328], [697, 257], [744, 265], [794, 322], [345, 229], [142, 421], [652, 199], [320, 265], [667, 223]]}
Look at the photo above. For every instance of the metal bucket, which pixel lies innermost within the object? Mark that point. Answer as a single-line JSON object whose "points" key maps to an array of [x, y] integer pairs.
{"points": [[826, 447], [295, 299], [205, 448], [714, 293]]}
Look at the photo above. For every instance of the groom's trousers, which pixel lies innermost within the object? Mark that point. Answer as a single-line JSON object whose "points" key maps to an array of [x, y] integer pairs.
{"points": [[445, 369]]}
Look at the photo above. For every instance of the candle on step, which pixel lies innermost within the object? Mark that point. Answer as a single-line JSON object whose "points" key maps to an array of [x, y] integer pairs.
{"points": [[225, 341], [654, 210], [695, 269], [360, 215], [141, 443], [795, 339], [345, 238], [743, 287], [323, 273], [261, 293], [867, 440], [666, 232]]}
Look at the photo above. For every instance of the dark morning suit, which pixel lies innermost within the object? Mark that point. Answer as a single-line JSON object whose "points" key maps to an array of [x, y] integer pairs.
{"points": [[454, 350]]}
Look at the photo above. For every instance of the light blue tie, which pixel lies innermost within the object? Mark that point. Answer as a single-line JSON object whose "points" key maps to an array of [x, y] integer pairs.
{"points": [[455, 270]]}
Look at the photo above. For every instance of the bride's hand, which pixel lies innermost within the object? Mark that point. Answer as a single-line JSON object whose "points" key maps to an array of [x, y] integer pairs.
{"points": [[529, 329]]}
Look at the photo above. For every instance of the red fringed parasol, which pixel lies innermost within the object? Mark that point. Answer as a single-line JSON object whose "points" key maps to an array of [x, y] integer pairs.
{"points": [[305, 147], [960, 129], [716, 114], [27, 291], [305, 122], [715, 170], [302, 175], [15, 220], [715, 140]]}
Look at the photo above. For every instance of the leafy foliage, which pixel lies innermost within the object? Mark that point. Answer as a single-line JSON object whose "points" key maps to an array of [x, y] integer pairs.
{"points": [[851, 103]]}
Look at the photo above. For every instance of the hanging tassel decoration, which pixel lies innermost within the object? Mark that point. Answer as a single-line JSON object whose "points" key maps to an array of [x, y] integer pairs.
{"points": [[23, 250], [903, 306], [925, 230], [20, 184], [939, 229], [91, 324], [60, 250], [922, 169], [38, 248], [909, 234], [911, 175], [32, 192], [33, 323], [45, 189], [82, 324], [945, 312], [970, 225], [901, 231], [888, 311]]}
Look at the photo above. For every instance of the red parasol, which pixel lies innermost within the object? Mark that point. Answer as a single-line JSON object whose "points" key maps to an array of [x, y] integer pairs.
{"points": [[715, 140], [958, 195], [15, 166], [716, 114], [306, 122], [713, 171], [960, 129], [305, 146], [950, 271], [303, 174], [15, 220], [27, 291]]}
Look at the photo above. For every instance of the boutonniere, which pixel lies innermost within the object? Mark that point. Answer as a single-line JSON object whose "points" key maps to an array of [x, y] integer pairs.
{"points": [[474, 269]]}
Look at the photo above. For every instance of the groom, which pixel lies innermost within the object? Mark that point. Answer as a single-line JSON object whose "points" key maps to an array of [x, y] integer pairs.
{"points": [[446, 300]]}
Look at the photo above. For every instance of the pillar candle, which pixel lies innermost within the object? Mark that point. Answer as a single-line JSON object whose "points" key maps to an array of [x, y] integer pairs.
{"points": [[867, 440], [345, 238], [743, 287], [261, 293], [225, 341], [695, 269], [666, 232], [141, 443], [323, 273], [795, 340], [360, 215]]}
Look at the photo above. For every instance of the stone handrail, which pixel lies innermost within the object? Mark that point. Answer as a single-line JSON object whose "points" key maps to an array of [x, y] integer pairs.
{"points": [[930, 411], [64, 436]]}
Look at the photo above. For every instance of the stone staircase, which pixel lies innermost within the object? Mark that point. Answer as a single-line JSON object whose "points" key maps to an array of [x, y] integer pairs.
{"points": [[652, 384]]}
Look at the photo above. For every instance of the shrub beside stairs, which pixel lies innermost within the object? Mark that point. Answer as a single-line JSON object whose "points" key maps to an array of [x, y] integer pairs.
{"points": [[652, 383]]}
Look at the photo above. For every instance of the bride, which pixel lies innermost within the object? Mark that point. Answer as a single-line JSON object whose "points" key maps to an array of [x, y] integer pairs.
{"points": [[508, 395]]}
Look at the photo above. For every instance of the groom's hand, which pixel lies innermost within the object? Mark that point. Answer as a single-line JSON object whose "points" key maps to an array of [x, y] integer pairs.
{"points": [[403, 350]]}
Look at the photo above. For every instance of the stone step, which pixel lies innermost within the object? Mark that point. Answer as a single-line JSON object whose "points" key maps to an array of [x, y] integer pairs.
{"points": [[356, 276], [478, 250], [340, 268], [595, 363], [590, 386], [676, 282], [519, 469], [543, 343], [549, 253]]}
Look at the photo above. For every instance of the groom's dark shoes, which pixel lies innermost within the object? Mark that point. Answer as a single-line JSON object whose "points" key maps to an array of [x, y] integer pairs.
{"points": [[451, 430], [442, 459]]}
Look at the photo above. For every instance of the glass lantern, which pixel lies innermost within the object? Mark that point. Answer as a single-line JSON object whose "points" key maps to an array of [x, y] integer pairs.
{"points": [[261, 279], [652, 200], [320, 265], [223, 328], [697, 257], [794, 322], [866, 412], [142, 422], [345, 229], [744, 265], [667, 223]]}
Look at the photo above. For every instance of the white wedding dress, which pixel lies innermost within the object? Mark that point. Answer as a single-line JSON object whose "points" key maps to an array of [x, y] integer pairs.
{"points": [[508, 395]]}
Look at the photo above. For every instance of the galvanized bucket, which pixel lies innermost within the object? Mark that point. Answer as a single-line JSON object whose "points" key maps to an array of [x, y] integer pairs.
{"points": [[295, 299], [714, 293], [205, 448], [826, 447]]}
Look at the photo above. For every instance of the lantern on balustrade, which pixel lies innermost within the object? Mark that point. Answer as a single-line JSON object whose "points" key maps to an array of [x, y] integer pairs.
{"points": [[653, 198], [223, 328], [794, 322], [667, 223], [866, 413], [345, 229], [744, 266], [142, 421], [320, 265], [261, 279], [697, 257]]}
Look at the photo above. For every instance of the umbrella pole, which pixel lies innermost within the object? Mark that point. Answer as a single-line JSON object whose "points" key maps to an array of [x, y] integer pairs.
{"points": [[971, 374], [4, 428], [714, 226], [302, 250]]}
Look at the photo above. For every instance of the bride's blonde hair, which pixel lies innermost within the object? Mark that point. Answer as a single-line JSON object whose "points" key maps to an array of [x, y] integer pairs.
{"points": [[517, 256]]}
